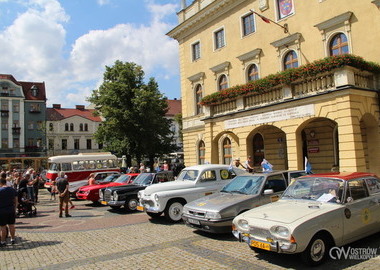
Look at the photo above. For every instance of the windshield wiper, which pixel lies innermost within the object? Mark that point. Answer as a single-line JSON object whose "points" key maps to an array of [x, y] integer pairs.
{"points": [[238, 191]]}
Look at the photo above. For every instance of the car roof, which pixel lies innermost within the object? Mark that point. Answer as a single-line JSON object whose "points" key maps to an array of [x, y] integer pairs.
{"points": [[207, 166], [342, 175]]}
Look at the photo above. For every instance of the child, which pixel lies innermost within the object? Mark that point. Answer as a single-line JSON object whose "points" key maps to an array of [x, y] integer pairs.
{"points": [[53, 190]]}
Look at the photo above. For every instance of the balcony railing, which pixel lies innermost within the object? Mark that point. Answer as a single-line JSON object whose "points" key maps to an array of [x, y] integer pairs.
{"points": [[16, 130], [307, 87]]}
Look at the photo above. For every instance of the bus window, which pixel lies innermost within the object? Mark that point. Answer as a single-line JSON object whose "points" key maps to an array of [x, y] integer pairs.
{"points": [[78, 165], [66, 167], [99, 164], [55, 167], [104, 163], [91, 164], [111, 163]]}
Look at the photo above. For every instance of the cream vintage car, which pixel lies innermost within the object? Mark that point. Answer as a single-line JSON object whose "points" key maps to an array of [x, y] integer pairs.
{"points": [[192, 183], [314, 214]]}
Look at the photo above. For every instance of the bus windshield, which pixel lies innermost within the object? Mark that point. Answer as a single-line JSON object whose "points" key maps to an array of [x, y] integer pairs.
{"points": [[55, 167]]}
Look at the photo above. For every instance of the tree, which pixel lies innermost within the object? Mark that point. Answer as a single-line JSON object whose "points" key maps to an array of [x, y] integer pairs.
{"points": [[134, 113]]}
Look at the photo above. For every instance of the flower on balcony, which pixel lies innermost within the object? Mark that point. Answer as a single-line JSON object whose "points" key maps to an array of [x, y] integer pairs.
{"points": [[288, 76]]}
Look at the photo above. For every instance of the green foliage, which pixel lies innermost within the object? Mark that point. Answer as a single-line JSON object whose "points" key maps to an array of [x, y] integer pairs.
{"points": [[290, 75], [134, 113]]}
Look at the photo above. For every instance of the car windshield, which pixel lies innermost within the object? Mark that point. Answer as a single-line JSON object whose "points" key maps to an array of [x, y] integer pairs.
{"points": [[188, 175], [244, 185], [110, 178], [123, 178], [143, 179], [316, 189]]}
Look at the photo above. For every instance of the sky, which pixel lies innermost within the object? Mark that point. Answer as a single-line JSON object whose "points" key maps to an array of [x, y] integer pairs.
{"points": [[68, 43]]}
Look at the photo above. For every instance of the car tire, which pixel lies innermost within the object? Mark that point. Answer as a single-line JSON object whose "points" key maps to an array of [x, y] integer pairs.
{"points": [[317, 250], [154, 215], [131, 204], [115, 207], [173, 211]]}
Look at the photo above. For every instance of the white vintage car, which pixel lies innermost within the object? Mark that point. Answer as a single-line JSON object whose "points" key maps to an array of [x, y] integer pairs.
{"points": [[315, 213], [192, 183]]}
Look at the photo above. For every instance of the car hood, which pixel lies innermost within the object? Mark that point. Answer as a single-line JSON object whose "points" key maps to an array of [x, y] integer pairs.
{"points": [[219, 201], [178, 184], [93, 187], [287, 212]]}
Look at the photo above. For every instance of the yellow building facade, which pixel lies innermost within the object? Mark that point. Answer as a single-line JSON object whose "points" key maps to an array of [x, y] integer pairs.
{"points": [[331, 117]]}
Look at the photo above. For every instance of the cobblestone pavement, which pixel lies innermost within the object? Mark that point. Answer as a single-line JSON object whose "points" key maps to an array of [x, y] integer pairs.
{"points": [[97, 238]]}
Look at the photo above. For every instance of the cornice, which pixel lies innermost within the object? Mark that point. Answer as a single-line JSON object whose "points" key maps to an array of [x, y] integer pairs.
{"points": [[286, 40], [334, 21], [249, 55]]}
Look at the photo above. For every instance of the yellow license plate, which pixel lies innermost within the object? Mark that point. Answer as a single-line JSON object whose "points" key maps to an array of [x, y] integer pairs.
{"points": [[260, 245], [103, 202], [140, 208]]}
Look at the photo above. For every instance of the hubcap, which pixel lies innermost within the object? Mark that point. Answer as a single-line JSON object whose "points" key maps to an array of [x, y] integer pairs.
{"points": [[175, 211], [132, 204], [317, 250]]}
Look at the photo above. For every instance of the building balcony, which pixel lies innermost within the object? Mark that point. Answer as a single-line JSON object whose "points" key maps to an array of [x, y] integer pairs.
{"points": [[33, 148], [4, 113], [16, 130]]}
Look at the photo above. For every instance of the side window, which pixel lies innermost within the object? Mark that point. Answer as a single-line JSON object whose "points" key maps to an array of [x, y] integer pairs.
{"points": [[373, 185], [66, 167], [275, 182], [208, 176], [160, 178], [357, 189]]}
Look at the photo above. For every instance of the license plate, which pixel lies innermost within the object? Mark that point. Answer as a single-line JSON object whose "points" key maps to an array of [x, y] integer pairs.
{"points": [[260, 245], [140, 208], [193, 221], [103, 202]]}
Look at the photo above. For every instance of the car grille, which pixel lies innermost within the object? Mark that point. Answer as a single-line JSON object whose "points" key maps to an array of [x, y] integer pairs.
{"points": [[259, 232], [197, 213], [107, 195]]}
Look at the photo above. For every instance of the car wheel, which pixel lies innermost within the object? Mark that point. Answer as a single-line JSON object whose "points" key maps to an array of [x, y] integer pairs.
{"points": [[317, 250], [173, 211], [131, 204], [154, 215], [115, 207]]}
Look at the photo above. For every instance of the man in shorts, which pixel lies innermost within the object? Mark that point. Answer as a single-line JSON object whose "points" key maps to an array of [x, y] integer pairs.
{"points": [[63, 193], [8, 205]]}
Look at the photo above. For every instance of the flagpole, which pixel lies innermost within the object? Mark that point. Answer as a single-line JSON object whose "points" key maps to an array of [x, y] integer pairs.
{"points": [[285, 26]]}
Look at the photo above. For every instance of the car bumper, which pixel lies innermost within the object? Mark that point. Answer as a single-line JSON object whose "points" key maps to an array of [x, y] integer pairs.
{"points": [[212, 226], [149, 206], [81, 196], [274, 246], [115, 203]]}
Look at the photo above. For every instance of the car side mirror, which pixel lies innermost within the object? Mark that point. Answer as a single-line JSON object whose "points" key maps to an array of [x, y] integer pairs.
{"points": [[268, 191], [349, 200]]}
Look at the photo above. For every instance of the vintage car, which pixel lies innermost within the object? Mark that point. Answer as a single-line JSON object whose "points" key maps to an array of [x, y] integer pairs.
{"points": [[314, 214], [126, 195], [192, 183], [215, 213], [91, 192]]}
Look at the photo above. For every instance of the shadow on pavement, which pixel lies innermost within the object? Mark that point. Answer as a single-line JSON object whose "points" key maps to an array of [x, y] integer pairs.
{"points": [[217, 236]]}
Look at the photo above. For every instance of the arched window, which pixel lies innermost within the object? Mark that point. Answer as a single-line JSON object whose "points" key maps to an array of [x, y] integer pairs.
{"points": [[253, 73], [290, 60], [198, 98], [81, 127], [51, 127], [258, 149], [85, 127], [201, 152], [227, 151], [71, 127], [338, 45], [66, 127], [223, 84]]}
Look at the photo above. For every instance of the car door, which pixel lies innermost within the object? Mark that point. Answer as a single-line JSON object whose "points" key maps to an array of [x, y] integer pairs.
{"points": [[373, 185], [359, 212], [208, 183], [275, 182]]}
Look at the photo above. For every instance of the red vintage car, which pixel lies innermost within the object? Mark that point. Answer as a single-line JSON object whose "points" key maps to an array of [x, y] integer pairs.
{"points": [[91, 192]]}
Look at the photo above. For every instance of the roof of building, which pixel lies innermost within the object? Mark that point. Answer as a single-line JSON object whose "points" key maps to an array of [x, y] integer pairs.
{"points": [[27, 86], [175, 107], [57, 113]]}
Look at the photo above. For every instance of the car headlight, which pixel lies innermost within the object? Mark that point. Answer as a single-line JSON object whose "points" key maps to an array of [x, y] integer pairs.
{"points": [[140, 194], [100, 195], [213, 215], [280, 231], [156, 197], [243, 224]]}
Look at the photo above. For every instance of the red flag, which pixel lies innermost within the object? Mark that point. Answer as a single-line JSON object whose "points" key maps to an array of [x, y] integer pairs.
{"points": [[265, 19]]}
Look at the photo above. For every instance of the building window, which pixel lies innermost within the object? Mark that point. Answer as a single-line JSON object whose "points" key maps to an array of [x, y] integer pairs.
{"points": [[89, 144], [223, 84], [201, 152], [253, 73], [4, 91], [198, 98], [51, 143], [16, 142], [4, 105], [248, 24], [85, 127], [30, 125], [34, 91], [196, 50], [80, 127], [51, 127], [16, 107], [39, 125], [290, 60], [258, 149], [4, 125], [100, 146], [71, 127], [338, 45], [4, 143], [35, 108], [64, 144], [76, 144], [16, 123], [227, 151], [285, 8], [219, 39], [66, 127], [30, 142]]}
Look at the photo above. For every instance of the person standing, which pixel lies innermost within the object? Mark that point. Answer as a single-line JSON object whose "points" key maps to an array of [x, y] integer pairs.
{"points": [[8, 205], [63, 193], [249, 164]]}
